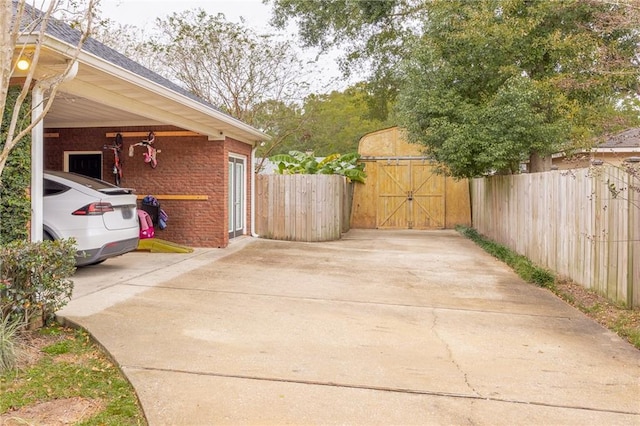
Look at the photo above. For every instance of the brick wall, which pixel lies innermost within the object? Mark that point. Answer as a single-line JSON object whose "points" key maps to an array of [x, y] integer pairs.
{"points": [[189, 165]]}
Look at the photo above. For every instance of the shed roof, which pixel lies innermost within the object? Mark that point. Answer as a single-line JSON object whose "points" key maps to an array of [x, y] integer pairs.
{"points": [[389, 142]]}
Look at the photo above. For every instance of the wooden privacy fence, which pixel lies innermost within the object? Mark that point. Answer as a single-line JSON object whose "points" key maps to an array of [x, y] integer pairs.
{"points": [[583, 224], [302, 207]]}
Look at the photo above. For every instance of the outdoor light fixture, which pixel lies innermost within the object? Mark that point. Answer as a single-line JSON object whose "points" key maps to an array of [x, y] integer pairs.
{"points": [[23, 64]]}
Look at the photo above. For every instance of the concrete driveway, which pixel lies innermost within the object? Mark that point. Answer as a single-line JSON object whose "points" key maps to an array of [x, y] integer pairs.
{"points": [[381, 327]]}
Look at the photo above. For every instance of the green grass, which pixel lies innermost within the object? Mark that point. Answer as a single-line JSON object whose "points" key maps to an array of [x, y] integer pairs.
{"points": [[621, 320], [58, 348], [520, 264], [72, 366], [624, 328]]}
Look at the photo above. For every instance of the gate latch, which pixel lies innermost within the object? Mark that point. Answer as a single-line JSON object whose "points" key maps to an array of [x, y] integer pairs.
{"points": [[409, 195]]}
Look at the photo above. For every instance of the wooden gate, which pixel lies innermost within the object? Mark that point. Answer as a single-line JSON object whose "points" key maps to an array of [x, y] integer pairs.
{"points": [[402, 190], [410, 195]]}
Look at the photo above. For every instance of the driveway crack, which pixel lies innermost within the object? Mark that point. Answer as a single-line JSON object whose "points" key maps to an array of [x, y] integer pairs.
{"points": [[434, 330], [408, 391]]}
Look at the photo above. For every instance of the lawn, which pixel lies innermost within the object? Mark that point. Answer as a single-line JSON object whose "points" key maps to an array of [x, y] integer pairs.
{"points": [[63, 377]]}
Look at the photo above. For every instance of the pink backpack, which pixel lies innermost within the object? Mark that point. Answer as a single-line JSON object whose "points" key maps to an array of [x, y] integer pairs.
{"points": [[146, 225]]}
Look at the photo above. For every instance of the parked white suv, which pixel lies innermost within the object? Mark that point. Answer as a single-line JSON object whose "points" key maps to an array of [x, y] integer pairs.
{"points": [[101, 217]]}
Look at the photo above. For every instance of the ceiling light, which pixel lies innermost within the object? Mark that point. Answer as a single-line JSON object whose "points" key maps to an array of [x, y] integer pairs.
{"points": [[23, 64]]}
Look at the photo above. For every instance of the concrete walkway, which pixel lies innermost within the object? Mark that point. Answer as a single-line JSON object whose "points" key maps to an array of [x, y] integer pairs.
{"points": [[381, 327]]}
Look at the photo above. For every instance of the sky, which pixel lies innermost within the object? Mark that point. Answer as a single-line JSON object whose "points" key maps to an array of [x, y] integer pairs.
{"points": [[142, 14]]}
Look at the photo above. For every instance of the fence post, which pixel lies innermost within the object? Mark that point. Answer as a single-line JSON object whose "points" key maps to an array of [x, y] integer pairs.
{"points": [[633, 267]]}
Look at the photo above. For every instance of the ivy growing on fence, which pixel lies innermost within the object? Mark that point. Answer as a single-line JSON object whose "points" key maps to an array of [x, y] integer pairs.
{"points": [[15, 206]]}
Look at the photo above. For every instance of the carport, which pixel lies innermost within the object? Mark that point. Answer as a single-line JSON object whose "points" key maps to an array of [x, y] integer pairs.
{"points": [[107, 93]]}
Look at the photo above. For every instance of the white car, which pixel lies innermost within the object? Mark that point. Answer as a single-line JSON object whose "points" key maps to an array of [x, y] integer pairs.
{"points": [[101, 217]]}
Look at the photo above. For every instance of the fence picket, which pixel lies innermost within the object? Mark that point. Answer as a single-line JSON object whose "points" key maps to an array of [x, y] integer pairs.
{"points": [[570, 222], [301, 207]]}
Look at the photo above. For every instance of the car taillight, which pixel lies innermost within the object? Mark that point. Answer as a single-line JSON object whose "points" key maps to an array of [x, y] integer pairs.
{"points": [[93, 209]]}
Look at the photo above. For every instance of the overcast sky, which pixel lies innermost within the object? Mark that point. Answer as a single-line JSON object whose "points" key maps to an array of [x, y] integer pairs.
{"points": [[142, 14]]}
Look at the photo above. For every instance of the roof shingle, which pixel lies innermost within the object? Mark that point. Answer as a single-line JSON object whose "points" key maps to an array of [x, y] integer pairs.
{"points": [[627, 139]]}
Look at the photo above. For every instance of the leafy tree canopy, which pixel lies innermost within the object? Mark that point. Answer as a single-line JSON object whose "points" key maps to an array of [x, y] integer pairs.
{"points": [[485, 84], [333, 122], [256, 78], [374, 35], [494, 82]]}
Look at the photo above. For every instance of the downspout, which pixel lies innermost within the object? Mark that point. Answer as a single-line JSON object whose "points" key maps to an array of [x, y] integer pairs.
{"points": [[253, 192], [37, 156]]}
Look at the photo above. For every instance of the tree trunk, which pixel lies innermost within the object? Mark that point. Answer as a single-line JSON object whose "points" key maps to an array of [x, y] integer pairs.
{"points": [[538, 163]]}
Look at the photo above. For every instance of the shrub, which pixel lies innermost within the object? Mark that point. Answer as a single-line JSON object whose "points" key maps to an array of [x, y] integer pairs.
{"points": [[35, 279], [296, 162]]}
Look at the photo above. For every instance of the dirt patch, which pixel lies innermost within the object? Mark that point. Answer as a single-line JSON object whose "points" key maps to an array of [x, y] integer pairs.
{"points": [[625, 322], [59, 412], [30, 348]]}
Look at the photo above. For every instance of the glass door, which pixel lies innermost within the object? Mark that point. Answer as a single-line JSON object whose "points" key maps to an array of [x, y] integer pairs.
{"points": [[236, 201]]}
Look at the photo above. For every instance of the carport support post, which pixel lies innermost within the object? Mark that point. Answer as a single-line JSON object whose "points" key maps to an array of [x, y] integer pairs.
{"points": [[37, 165], [37, 148]]}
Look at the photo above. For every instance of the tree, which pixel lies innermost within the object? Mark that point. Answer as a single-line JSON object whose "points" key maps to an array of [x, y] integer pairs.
{"points": [[258, 79], [284, 121], [494, 83], [41, 284], [124, 38], [18, 19], [334, 122], [375, 35], [227, 64], [470, 68]]}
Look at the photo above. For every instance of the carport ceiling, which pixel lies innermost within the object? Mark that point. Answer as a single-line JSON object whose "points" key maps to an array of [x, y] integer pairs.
{"points": [[116, 92], [69, 111], [107, 98]]}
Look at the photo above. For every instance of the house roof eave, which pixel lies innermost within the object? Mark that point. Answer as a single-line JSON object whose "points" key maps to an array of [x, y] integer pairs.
{"points": [[151, 99]]}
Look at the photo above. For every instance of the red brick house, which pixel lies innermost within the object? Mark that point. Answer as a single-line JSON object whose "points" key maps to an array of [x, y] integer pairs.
{"points": [[204, 175]]}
